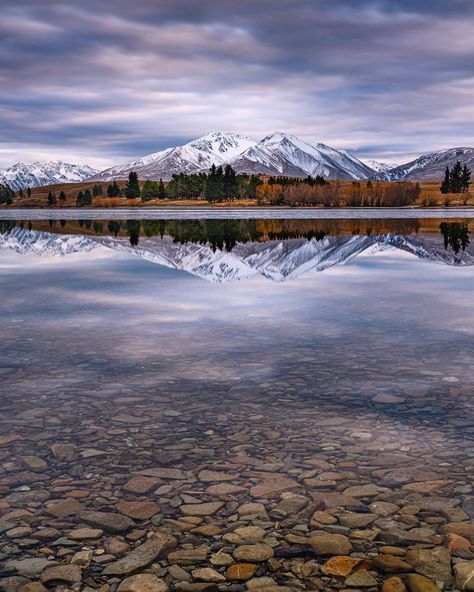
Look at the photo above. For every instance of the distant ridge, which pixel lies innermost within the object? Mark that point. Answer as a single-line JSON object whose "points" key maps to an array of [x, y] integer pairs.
{"points": [[37, 174]]}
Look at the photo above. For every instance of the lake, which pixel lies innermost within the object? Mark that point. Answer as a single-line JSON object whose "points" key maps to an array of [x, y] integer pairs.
{"points": [[262, 393]]}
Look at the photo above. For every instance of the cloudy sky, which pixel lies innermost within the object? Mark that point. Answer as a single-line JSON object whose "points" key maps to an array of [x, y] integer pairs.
{"points": [[105, 81]]}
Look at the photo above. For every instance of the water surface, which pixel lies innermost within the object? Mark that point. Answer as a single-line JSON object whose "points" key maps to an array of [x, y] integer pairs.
{"points": [[295, 359]]}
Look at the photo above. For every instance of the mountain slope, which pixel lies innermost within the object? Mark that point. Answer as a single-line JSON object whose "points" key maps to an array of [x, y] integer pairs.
{"points": [[380, 167], [277, 154], [277, 261], [429, 167], [196, 156], [285, 154], [36, 174]]}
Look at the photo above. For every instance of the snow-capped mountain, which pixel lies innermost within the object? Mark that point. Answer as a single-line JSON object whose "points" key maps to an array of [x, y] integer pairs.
{"points": [[277, 261], [36, 174], [429, 167], [199, 155], [380, 167], [277, 154], [285, 154]]}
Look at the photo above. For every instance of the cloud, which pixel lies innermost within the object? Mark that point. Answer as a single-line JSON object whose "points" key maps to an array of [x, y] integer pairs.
{"points": [[106, 82]]}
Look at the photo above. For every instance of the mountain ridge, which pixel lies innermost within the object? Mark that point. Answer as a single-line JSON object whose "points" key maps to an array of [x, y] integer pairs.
{"points": [[37, 174]]}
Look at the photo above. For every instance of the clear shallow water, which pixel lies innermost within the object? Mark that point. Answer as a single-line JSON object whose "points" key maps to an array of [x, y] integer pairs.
{"points": [[296, 368]]}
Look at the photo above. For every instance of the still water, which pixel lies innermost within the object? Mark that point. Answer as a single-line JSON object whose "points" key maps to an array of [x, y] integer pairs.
{"points": [[260, 394]]}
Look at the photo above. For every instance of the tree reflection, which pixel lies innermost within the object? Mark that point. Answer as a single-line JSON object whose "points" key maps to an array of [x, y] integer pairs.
{"points": [[455, 235]]}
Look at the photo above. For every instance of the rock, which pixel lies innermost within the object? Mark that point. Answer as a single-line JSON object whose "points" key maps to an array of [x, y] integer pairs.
{"points": [[224, 489], [245, 535], [204, 509], [464, 529], [393, 584], [455, 543], [82, 558], [221, 559], [330, 544], [340, 565], [62, 573], [63, 452], [241, 571], [369, 490], [432, 563], [207, 574], [189, 556], [383, 508], [215, 476], [464, 573], [65, 508], [391, 564], [163, 473], [355, 520], [138, 510], [270, 488], [320, 517], [417, 583], [156, 547], [143, 583], [85, 534], [34, 463], [140, 485], [253, 553], [32, 587], [397, 536], [361, 579], [108, 521], [30, 567]]}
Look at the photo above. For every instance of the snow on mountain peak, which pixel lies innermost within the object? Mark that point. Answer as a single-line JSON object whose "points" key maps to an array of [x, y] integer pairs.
{"points": [[22, 175]]}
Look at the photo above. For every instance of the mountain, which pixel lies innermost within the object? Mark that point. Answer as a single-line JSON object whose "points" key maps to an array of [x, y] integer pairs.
{"points": [[36, 174], [429, 167], [285, 154], [277, 261], [196, 156], [277, 154], [379, 167]]}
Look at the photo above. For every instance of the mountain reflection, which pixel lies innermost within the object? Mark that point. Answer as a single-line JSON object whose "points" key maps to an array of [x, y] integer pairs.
{"points": [[228, 250]]}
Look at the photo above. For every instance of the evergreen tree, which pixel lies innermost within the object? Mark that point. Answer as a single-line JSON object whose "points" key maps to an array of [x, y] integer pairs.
{"points": [[87, 200], [96, 190], [465, 178], [161, 190], [80, 199], [455, 178], [6, 195], [446, 184], [113, 190], [62, 196], [28, 192], [132, 189], [52, 199], [210, 190], [150, 190], [230, 183]]}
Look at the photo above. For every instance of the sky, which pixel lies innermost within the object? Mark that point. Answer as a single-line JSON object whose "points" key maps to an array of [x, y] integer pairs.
{"points": [[103, 82]]}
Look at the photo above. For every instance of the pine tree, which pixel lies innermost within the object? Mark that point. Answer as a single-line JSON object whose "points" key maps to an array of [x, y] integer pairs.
{"points": [[62, 196], [132, 189], [446, 184], [87, 200], [97, 190], [113, 190], [161, 190], [28, 192], [455, 178], [230, 183], [210, 189], [52, 199], [465, 178], [150, 190], [80, 199]]}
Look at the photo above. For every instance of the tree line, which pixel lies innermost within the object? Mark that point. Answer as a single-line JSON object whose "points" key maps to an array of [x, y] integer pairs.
{"points": [[456, 180]]}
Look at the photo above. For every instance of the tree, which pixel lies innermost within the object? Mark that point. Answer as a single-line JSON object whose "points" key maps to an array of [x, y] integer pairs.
{"points": [[80, 199], [28, 192], [446, 184], [6, 195], [465, 178], [455, 178], [132, 189], [52, 201], [229, 183], [87, 200], [161, 190], [150, 190], [20, 193], [97, 190], [113, 190], [62, 196]]}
